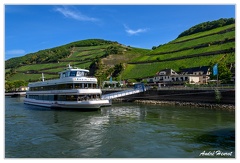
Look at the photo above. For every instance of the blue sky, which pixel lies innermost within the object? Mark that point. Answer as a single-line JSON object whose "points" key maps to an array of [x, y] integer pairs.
{"points": [[30, 28]]}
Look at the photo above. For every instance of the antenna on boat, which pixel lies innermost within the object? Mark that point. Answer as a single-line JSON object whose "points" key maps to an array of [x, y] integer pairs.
{"points": [[69, 66], [42, 77]]}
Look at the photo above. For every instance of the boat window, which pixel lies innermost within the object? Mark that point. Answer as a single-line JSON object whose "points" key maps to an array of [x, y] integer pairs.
{"points": [[78, 85], [85, 74], [35, 89], [63, 74], [90, 85], [45, 97], [67, 74], [61, 86], [71, 98], [61, 97], [73, 73], [69, 86], [53, 87], [33, 97], [80, 97], [80, 73]]}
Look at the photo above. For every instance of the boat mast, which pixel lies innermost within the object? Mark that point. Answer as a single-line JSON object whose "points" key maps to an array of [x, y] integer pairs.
{"points": [[42, 77], [69, 66]]}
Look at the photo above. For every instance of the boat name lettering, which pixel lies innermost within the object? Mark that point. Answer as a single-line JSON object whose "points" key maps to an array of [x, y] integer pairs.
{"points": [[84, 79], [56, 91]]}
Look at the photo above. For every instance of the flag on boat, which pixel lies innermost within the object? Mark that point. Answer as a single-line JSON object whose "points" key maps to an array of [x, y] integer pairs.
{"points": [[215, 69]]}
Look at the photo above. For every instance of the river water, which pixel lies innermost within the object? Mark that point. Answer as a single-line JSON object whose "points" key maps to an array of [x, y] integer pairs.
{"points": [[124, 130]]}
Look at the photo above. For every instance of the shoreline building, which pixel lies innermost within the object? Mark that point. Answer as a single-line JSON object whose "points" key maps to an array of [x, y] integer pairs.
{"points": [[169, 77]]}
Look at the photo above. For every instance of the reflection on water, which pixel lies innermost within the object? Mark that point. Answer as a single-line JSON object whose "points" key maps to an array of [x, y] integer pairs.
{"points": [[124, 130]]}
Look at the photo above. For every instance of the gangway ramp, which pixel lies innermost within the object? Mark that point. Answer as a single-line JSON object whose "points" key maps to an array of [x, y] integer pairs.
{"points": [[137, 89]]}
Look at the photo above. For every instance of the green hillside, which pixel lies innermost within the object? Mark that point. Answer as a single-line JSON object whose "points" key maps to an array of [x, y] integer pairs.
{"points": [[200, 49], [214, 43], [101, 57]]}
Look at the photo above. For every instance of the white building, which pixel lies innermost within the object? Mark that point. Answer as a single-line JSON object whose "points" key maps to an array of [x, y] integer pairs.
{"points": [[170, 77]]}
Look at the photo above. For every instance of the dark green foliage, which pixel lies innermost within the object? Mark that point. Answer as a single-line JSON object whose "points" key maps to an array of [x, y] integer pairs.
{"points": [[218, 95], [118, 68], [90, 42], [154, 47], [224, 73], [13, 85], [94, 66], [14, 62], [207, 26], [111, 50], [53, 54]]}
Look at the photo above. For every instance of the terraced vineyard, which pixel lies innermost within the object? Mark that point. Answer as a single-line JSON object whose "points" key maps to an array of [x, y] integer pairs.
{"points": [[107, 58], [81, 57], [200, 49]]}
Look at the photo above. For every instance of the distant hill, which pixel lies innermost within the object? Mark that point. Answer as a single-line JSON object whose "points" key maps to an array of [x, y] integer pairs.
{"points": [[103, 58], [53, 54], [213, 43], [199, 49]]}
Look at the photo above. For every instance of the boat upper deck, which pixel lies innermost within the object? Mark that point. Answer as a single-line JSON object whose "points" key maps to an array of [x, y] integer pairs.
{"points": [[70, 75]]}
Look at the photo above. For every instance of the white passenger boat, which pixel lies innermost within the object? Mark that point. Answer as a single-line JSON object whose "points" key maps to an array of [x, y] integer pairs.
{"points": [[74, 89]]}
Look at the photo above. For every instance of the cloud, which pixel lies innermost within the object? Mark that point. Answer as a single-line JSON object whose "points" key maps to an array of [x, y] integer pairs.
{"points": [[15, 52], [134, 32], [74, 14]]}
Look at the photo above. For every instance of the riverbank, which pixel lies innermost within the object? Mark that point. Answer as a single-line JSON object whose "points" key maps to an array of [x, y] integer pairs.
{"points": [[178, 103], [192, 98]]}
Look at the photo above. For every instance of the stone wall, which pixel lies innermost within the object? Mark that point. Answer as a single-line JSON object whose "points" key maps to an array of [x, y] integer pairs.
{"points": [[183, 97]]}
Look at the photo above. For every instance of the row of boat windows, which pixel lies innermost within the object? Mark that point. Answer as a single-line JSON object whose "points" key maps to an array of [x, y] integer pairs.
{"points": [[65, 86], [87, 97], [73, 73]]}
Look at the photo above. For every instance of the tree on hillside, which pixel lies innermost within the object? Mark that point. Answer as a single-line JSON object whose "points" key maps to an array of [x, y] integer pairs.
{"points": [[118, 68], [224, 73], [13, 85], [154, 47], [207, 26]]}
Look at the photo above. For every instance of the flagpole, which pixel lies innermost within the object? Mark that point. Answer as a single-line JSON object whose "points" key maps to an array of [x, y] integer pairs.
{"points": [[215, 71]]}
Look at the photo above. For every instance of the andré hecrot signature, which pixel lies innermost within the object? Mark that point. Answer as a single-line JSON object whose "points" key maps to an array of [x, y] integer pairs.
{"points": [[216, 153]]}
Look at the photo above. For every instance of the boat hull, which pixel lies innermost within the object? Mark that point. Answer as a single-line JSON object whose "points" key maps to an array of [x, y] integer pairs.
{"points": [[94, 104]]}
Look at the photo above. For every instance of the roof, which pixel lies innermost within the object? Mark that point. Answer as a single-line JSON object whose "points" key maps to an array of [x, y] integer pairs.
{"points": [[168, 71], [204, 69]]}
